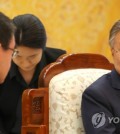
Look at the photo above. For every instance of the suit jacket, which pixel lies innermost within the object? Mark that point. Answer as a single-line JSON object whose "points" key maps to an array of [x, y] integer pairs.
{"points": [[13, 86], [101, 105]]}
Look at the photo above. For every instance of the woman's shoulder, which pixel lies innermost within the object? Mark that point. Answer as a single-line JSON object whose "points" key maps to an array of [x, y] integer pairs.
{"points": [[52, 54], [50, 50]]}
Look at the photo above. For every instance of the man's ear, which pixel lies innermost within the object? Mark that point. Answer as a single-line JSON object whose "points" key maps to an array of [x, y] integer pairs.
{"points": [[0, 47], [112, 51], [0, 52]]}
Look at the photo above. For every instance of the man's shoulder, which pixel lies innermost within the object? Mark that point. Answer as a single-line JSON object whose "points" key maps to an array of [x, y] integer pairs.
{"points": [[101, 85]]}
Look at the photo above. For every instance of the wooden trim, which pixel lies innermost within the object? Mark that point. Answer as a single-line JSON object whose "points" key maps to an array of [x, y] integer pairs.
{"points": [[73, 61]]}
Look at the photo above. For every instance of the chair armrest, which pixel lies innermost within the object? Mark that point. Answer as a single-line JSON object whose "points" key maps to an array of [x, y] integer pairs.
{"points": [[34, 129], [35, 115]]}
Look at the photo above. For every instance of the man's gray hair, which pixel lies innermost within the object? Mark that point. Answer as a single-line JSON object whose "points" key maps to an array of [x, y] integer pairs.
{"points": [[113, 32]]}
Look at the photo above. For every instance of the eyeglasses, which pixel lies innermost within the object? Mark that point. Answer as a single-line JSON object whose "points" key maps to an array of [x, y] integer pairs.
{"points": [[15, 51]]}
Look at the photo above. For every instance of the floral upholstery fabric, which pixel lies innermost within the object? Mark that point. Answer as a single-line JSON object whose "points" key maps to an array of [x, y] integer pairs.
{"points": [[65, 92]]}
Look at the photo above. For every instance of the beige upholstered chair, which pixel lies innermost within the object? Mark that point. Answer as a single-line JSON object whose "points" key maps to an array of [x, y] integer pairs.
{"points": [[66, 79], [65, 93]]}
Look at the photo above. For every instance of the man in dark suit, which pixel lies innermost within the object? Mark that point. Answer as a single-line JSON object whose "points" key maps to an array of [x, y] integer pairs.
{"points": [[30, 58], [100, 101], [7, 43]]}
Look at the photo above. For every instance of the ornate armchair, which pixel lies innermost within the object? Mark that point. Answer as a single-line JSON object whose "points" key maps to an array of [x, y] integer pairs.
{"points": [[65, 80]]}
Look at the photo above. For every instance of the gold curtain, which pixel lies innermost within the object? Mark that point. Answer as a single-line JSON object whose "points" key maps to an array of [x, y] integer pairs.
{"points": [[77, 26]]}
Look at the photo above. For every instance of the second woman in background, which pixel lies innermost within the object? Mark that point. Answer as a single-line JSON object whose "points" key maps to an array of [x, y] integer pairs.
{"points": [[31, 57]]}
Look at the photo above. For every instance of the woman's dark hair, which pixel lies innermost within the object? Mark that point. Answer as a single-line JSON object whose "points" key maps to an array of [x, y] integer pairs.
{"points": [[30, 31], [7, 30]]}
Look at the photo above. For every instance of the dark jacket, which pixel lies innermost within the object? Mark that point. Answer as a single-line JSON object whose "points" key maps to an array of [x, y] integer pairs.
{"points": [[101, 105], [12, 88]]}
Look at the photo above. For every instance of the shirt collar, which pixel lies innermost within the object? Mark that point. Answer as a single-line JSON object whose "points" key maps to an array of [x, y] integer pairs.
{"points": [[13, 70]]}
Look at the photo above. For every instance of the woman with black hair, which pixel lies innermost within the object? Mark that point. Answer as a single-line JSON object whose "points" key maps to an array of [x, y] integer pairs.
{"points": [[30, 58]]}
